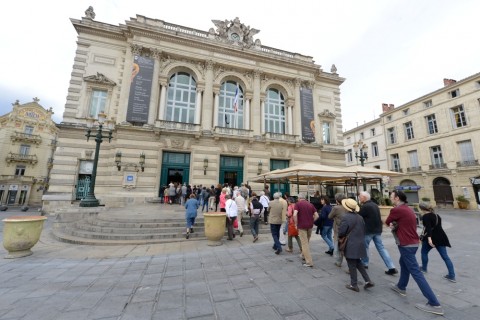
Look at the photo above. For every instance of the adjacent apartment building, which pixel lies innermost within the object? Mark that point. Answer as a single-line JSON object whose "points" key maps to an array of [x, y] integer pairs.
{"points": [[27, 141], [189, 106], [434, 140]]}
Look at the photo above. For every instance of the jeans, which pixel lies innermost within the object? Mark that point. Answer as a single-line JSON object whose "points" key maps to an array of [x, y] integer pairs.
{"points": [[409, 266], [442, 250], [327, 236], [254, 225], [377, 240], [205, 206], [275, 229]]}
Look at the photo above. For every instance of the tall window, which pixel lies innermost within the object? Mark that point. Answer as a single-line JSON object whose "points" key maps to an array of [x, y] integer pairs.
{"points": [[349, 155], [437, 157], [24, 150], [458, 116], [274, 112], [362, 136], [392, 136], [413, 157], [326, 133], [466, 152], [395, 162], [97, 103], [228, 115], [20, 170], [28, 129], [181, 98], [431, 124], [372, 132], [408, 130], [375, 149]]}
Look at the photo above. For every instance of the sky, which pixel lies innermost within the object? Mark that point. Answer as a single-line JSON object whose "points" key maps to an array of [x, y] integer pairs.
{"points": [[389, 51]]}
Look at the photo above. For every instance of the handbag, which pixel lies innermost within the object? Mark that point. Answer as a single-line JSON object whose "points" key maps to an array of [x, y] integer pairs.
{"points": [[342, 242], [423, 235], [235, 223]]}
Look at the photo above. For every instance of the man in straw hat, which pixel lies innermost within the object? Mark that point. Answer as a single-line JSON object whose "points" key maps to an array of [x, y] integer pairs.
{"points": [[406, 221], [353, 227]]}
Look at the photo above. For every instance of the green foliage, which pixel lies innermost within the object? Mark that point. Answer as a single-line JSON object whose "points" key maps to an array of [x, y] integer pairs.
{"points": [[426, 199], [462, 198]]}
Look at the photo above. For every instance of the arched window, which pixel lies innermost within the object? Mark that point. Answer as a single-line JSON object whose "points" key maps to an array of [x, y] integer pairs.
{"points": [[230, 107], [275, 112], [181, 98]]}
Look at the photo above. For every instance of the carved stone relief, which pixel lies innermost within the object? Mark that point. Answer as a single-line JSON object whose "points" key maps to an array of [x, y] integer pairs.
{"points": [[327, 114], [177, 143], [233, 147], [234, 32]]}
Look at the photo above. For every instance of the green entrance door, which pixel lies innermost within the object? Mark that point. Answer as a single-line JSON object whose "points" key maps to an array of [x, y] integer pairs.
{"points": [[282, 187], [231, 170], [175, 168]]}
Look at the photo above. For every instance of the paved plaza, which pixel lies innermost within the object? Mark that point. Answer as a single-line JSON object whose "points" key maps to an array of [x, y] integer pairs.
{"points": [[238, 280]]}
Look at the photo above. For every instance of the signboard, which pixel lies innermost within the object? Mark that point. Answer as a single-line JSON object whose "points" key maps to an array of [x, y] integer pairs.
{"points": [[308, 118], [408, 188], [140, 89]]}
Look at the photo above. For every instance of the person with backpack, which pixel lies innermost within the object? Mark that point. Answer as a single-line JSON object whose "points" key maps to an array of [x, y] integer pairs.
{"points": [[205, 195]]}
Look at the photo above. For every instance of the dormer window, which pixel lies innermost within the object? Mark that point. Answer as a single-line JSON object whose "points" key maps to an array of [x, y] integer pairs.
{"points": [[455, 93]]}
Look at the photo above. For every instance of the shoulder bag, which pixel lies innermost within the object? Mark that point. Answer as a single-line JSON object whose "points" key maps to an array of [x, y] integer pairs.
{"points": [[342, 242]]}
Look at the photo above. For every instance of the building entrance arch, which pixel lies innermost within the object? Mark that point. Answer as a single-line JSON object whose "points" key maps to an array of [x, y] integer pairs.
{"points": [[442, 192]]}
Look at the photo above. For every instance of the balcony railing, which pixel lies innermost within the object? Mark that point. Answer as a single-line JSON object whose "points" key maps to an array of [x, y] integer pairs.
{"points": [[397, 169], [22, 179], [177, 126], [26, 137], [468, 163], [232, 132], [15, 157], [414, 169], [438, 166], [280, 137]]}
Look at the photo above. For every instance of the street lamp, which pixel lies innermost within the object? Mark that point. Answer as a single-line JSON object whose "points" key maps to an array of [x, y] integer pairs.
{"points": [[90, 200], [360, 150]]}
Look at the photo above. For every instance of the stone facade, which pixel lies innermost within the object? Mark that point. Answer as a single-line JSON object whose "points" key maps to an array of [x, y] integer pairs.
{"points": [[27, 139], [204, 107], [434, 141]]}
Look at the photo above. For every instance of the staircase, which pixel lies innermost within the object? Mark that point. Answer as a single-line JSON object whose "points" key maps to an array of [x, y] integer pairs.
{"points": [[88, 228]]}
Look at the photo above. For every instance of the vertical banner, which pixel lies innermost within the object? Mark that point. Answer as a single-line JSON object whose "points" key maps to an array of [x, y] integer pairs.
{"points": [[140, 89], [308, 118]]}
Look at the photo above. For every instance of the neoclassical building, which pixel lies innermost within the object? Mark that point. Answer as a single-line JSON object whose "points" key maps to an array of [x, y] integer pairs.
{"points": [[27, 141], [203, 107], [434, 140]]}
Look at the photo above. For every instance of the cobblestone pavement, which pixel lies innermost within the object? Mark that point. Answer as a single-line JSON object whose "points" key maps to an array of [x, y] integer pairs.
{"points": [[238, 280]]}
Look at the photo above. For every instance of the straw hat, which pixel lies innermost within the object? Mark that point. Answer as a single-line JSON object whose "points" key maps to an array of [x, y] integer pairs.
{"points": [[350, 205]]}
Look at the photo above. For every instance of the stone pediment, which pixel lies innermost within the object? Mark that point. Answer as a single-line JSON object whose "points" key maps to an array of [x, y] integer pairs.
{"points": [[326, 114], [235, 32], [100, 79]]}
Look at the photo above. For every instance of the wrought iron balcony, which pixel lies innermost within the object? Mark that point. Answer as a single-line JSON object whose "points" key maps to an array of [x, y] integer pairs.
{"points": [[438, 166], [468, 163], [16, 157], [414, 169], [26, 137]]}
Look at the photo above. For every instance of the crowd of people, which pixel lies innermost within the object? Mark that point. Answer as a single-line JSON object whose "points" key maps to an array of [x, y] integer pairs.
{"points": [[347, 228]]}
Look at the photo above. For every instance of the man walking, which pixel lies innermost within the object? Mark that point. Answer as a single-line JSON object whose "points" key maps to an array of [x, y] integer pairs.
{"points": [[240, 202], [231, 211], [303, 214], [406, 230], [275, 218], [373, 231], [264, 200]]}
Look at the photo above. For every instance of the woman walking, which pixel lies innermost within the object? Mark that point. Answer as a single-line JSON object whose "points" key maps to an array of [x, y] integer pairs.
{"points": [[292, 230], [191, 207], [326, 223], [435, 237], [352, 226], [256, 209]]}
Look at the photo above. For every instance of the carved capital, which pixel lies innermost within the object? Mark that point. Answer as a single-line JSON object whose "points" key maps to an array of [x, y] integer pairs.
{"points": [[136, 49], [156, 53], [209, 65]]}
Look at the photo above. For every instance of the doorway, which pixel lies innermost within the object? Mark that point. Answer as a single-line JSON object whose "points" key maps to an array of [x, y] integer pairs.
{"points": [[175, 169], [442, 192], [231, 170]]}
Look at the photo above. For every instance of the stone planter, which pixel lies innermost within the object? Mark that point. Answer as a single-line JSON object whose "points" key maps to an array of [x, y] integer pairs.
{"points": [[384, 212], [462, 205], [20, 234], [214, 227]]}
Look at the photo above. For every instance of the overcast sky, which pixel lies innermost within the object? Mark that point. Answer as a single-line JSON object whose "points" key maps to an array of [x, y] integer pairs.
{"points": [[388, 51]]}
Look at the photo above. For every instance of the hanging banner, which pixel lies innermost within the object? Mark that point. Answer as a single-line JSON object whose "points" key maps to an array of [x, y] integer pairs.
{"points": [[308, 118], [140, 89]]}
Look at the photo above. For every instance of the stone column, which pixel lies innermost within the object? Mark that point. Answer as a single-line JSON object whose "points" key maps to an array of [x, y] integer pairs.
{"points": [[246, 115], [207, 98], [198, 107], [163, 99], [256, 119], [215, 109], [262, 117], [155, 88], [290, 119]]}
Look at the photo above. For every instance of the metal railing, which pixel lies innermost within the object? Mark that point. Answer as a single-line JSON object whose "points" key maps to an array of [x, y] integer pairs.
{"points": [[414, 169], [468, 163], [16, 157], [438, 166]]}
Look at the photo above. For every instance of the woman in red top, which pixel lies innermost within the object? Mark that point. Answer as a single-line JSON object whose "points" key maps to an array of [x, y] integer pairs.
{"points": [[223, 200], [292, 230]]}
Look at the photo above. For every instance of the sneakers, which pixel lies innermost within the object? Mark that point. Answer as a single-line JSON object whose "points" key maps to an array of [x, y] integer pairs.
{"points": [[429, 308], [277, 251], [241, 234], [307, 265], [338, 264], [391, 272], [289, 250], [368, 285], [423, 271], [255, 239], [401, 292], [353, 288], [450, 278], [187, 235]]}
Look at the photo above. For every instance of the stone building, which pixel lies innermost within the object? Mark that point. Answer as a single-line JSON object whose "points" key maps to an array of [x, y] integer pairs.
{"points": [[27, 142], [434, 140], [203, 107]]}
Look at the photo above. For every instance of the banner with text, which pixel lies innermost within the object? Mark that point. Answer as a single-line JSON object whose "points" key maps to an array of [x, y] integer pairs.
{"points": [[140, 89], [308, 118]]}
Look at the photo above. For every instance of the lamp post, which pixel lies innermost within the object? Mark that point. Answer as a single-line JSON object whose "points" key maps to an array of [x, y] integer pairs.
{"points": [[90, 200], [360, 150]]}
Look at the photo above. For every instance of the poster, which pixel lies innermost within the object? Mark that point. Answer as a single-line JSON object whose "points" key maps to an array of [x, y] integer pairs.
{"points": [[307, 115], [140, 89]]}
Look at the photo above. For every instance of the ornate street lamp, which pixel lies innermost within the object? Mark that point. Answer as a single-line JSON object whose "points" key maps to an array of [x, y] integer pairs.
{"points": [[360, 150], [90, 200]]}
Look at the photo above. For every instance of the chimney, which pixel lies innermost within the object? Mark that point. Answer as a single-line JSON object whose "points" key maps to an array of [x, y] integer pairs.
{"points": [[391, 107], [448, 82], [385, 107]]}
